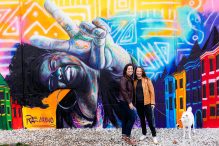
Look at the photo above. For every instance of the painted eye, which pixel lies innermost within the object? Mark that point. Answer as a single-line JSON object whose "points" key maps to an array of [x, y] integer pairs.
{"points": [[60, 77], [53, 82], [50, 84], [53, 64], [60, 73]]}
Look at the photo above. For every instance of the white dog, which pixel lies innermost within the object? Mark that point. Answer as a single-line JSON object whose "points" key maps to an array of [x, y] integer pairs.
{"points": [[187, 120]]}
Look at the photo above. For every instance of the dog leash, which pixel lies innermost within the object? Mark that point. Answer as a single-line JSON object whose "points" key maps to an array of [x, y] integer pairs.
{"points": [[165, 115]]}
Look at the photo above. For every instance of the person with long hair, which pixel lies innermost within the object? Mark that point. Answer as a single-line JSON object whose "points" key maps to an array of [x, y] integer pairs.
{"points": [[126, 105], [145, 102]]}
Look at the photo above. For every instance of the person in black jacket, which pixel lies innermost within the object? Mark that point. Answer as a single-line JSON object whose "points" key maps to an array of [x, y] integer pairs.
{"points": [[126, 105]]}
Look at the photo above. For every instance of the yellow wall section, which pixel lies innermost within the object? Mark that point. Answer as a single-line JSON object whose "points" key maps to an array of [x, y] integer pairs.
{"points": [[43, 118], [87, 10]]}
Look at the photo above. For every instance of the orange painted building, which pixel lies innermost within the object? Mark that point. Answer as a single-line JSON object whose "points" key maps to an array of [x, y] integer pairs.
{"points": [[180, 94], [180, 76]]}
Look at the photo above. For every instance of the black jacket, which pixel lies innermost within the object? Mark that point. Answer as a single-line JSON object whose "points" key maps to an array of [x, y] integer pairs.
{"points": [[126, 89]]}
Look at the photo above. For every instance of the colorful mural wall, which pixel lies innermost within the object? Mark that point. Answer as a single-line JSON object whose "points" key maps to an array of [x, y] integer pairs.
{"points": [[61, 60]]}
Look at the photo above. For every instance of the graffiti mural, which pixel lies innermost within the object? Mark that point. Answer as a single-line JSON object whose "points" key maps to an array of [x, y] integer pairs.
{"points": [[61, 60]]}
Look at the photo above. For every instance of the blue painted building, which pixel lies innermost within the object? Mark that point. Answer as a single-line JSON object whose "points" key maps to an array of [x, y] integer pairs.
{"points": [[170, 101], [193, 84], [160, 111]]}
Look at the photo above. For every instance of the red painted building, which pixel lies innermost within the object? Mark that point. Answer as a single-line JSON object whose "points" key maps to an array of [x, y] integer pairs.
{"points": [[16, 110], [210, 87]]}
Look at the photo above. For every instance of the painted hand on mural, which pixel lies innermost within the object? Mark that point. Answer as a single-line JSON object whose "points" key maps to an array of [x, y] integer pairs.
{"points": [[90, 42], [76, 63]]}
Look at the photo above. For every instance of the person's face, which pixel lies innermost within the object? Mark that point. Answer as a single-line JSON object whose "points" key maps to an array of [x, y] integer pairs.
{"points": [[139, 73], [129, 71], [60, 71]]}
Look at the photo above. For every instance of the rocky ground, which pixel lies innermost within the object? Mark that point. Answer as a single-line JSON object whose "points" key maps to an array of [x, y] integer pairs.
{"points": [[106, 137]]}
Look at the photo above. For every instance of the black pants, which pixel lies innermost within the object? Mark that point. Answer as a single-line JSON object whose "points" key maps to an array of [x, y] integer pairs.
{"points": [[145, 111], [128, 118]]}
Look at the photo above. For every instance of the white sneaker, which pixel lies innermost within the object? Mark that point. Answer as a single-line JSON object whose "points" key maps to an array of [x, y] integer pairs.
{"points": [[155, 140], [142, 137]]}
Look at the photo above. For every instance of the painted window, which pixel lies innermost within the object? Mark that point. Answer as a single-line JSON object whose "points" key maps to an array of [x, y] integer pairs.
{"points": [[181, 103], [198, 93], [9, 124], [7, 96], [188, 96], [167, 104], [176, 84], [204, 113], [211, 64], [199, 73], [181, 83], [8, 110], [1, 95], [204, 91], [2, 109], [193, 95], [217, 87], [217, 109], [212, 111], [171, 103], [170, 87], [194, 73], [20, 112], [188, 76], [15, 114], [211, 89]]}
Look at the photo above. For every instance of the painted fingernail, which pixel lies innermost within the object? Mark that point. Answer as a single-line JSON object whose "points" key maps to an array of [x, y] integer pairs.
{"points": [[99, 33]]}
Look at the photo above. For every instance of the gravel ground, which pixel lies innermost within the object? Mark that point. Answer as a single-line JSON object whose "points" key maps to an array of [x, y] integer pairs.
{"points": [[106, 137]]}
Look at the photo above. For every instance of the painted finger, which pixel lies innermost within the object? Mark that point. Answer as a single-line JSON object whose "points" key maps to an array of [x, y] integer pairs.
{"points": [[67, 24], [78, 48], [98, 22], [91, 30], [48, 43]]}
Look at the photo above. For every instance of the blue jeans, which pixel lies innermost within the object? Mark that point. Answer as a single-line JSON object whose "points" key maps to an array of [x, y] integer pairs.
{"points": [[128, 118]]}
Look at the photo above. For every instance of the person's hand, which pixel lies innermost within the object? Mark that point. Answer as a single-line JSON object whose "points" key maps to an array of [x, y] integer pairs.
{"points": [[131, 106], [152, 106], [90, 42]]}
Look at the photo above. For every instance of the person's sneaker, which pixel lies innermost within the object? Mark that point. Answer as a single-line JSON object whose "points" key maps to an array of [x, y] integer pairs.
{"points": [[155, 140], [142, 137]]}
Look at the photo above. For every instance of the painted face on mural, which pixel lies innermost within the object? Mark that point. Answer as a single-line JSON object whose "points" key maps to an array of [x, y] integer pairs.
{"points": [[60, 70]]}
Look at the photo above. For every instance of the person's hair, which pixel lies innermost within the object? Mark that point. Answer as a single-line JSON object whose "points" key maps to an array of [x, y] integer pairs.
{"points": [[143, 72], [23, 78], [126, 67], [109, 88]]}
